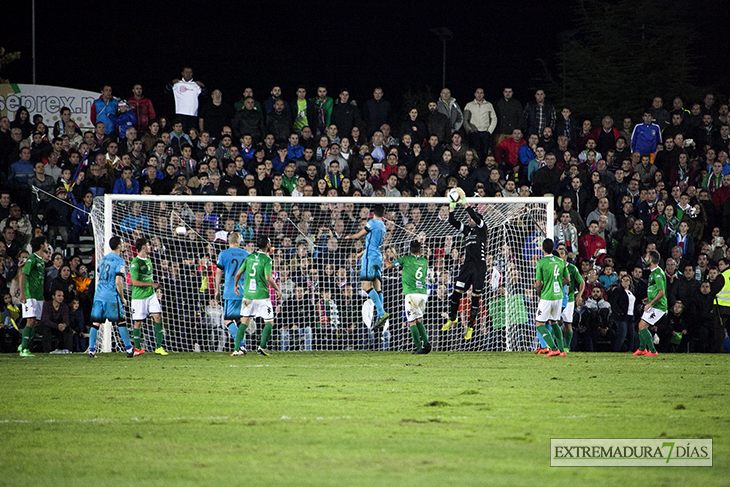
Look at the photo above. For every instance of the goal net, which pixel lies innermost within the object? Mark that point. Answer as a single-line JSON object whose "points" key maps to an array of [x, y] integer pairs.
{"points": [[322, 305]]}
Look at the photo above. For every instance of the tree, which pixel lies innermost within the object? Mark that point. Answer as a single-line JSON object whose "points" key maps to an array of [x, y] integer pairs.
{"points": [[7, 58], [621, 55]]}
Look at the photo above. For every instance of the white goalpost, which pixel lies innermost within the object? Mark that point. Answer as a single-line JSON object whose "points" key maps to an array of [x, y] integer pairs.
{"points": [[322, 305]]}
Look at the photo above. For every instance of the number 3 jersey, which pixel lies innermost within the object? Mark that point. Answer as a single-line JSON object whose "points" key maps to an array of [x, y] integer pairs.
{"points": [[256, 267], [109, 268], [551, 270]]}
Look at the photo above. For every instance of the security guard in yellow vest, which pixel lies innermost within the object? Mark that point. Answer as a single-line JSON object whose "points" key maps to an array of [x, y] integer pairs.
{"points": [[721, 288]]}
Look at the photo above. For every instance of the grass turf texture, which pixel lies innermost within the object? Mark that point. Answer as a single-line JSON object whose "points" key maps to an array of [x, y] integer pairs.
{"points": [[351, 418]]}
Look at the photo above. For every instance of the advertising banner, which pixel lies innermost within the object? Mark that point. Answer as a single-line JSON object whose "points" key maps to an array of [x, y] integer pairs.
{"points": [[47, 101]]}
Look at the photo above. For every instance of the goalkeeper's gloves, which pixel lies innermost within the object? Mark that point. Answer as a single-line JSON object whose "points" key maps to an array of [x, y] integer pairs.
{"points": [[463, 201], [452, 205]]}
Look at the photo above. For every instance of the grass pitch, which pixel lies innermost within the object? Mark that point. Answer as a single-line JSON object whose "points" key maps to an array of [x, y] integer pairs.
{"points": [[306, 419]]}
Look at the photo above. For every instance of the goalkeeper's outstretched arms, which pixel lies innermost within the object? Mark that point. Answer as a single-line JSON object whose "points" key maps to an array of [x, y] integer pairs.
{"points": [[474, 215]]}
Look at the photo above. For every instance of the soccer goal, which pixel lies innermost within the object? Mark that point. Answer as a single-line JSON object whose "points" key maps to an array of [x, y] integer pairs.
{"points": [[322, 305]]}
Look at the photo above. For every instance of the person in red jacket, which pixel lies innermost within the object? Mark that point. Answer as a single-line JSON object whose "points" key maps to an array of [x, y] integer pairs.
{"points": [[507, 152], [142, 107], [591, 246], [605, 135], [722, 193]]}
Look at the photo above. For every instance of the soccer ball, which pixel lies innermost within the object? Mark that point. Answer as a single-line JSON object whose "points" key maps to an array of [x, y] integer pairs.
{"points": [[453, 195]]}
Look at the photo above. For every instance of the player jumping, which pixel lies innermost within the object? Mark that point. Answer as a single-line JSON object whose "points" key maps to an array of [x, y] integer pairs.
{"points": [[109, 300], [474, 270], [372, 262], [256, 297], [229, 261]]}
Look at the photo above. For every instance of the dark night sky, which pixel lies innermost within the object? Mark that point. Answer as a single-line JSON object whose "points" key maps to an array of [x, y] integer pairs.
{"points": [[232, 45]]}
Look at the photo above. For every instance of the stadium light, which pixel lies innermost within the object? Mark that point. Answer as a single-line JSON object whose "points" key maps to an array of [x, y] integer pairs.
{"points": [[445, 35]]}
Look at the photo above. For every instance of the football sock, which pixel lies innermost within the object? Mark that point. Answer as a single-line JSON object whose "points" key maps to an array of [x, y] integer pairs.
{"points": [[648, 340], [94, 332], [474, 312], [123, 332], [416, 335], [240, 334], [137, 334], [547, 336], [454, 305], [266, 334], [422, 332], [26, 337], [158, 334], [541, 340], [378, 302], [643, 340], [233, 329], [558, 337], [568, 339]]}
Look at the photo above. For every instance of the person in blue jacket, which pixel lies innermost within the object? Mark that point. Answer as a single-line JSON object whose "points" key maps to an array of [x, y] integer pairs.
{"points": [[646, 136]]}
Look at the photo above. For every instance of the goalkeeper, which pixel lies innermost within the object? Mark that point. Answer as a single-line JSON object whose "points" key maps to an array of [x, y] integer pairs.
{"points": [[228, 264], [415, 269], [372, 262], [256, 297], [474, 270]]}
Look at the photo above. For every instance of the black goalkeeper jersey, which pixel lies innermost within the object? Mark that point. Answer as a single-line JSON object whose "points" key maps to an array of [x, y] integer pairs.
{"points": [[475, 239]]}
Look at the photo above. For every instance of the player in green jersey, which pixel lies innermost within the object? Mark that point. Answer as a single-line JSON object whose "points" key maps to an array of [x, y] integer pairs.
{"points": [[414, 270], [655, 306], [576, 286], [550, 277], [144, 299], [256, 298], [32, 277]]}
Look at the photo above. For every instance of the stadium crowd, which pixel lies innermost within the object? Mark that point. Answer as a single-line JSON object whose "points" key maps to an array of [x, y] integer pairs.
{"points": [[621, 190]]}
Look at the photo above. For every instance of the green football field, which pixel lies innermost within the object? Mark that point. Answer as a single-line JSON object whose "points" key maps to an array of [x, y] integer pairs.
{"points": [[351, 419]]}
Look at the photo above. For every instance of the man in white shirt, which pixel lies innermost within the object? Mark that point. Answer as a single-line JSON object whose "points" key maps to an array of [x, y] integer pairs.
{"points": [[186, 92], [480, 120]]}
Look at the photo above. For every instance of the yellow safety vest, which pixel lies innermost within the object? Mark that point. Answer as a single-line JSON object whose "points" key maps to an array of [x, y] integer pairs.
{"points": [[723, 297]]}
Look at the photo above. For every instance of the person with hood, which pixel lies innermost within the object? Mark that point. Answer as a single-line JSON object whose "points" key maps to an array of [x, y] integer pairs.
{"points": [[123, 120], [22, 121]]}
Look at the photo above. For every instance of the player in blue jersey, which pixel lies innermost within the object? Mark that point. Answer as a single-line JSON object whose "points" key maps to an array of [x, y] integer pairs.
{"points": [[372, 262], [228, 263], [109, 298]]}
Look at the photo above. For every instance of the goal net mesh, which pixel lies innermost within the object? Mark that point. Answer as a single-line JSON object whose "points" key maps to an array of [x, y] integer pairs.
{"points": [[322, 306]]}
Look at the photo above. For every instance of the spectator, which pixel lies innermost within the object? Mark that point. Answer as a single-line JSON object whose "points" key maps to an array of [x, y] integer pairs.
{"points": [[55, 318], [122, 121], [376, 111], [102, 107], [186, 92], [623, 305], [646, 136]]}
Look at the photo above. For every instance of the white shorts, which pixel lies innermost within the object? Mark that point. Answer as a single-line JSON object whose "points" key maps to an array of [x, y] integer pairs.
{"points": [[567, 314], [548, 310], [652, 315], [415, 305], [257, 308], [142, 308], [33, 308]]}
